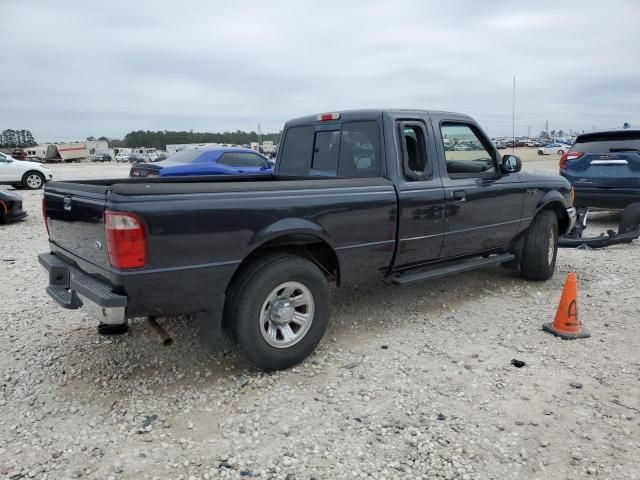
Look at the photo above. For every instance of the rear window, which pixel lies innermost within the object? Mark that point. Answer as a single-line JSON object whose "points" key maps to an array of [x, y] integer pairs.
{"points": [[185, 156], [351, 150], [608, 142]]}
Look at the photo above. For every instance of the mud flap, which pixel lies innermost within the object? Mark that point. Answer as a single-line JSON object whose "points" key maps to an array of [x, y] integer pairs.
{"points": [[211, 332]]}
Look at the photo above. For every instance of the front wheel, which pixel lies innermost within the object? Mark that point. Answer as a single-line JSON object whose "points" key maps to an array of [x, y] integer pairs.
{"points": [[278, 310], [540, 247], [33, 180], [560, 152]]}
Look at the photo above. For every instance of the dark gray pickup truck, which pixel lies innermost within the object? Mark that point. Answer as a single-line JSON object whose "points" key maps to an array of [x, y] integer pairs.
{"points": [[356, 197]]}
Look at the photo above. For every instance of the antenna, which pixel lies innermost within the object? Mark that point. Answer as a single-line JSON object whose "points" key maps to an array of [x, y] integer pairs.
{"points": [[513, 115]]}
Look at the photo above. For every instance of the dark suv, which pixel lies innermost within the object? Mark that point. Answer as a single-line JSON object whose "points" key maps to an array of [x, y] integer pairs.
{"points": [[604, 168]]}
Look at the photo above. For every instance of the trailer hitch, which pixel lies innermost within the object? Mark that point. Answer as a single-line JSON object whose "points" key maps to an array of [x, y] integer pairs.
{"points": [[628, 230]]}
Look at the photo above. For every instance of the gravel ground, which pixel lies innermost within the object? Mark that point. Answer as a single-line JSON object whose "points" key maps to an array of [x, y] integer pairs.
{"points": [[408, 383]]}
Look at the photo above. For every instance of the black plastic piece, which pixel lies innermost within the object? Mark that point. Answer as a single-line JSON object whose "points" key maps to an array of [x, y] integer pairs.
{"points": [[109, 329]]}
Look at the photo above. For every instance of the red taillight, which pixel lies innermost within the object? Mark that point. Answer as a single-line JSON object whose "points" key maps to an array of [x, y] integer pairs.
{"points": [[325, 117], [126, 240], [44, 216], [569, 156]]}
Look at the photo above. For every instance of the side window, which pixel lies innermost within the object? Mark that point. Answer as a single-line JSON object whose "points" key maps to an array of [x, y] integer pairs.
{"points": [[359, 150], [295, 158], [245, 159], [465, 152], [325, 153], [415, 165]]}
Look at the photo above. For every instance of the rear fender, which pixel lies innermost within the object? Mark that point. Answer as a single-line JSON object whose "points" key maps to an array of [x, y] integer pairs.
{"points": [[289, 227]]}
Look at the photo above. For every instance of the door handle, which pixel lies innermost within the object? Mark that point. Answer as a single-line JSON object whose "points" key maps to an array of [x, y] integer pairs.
{"points": [[459, 195]]}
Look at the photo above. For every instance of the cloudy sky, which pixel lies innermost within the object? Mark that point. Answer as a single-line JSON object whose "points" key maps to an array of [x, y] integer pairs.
{"points": [[72, 69]]}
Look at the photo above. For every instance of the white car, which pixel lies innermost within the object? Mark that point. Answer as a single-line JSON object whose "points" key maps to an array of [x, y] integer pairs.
{"points": [[553, 148], [23, 174], [122, 157]]}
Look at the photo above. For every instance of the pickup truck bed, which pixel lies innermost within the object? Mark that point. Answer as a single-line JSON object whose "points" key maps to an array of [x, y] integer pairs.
{"points": [[356, 197]]}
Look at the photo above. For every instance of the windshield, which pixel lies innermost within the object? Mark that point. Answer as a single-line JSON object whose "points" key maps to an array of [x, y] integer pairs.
{"points": [[608, 142]]}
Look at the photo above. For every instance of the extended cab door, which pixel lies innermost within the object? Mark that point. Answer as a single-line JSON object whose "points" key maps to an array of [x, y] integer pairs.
{"points": [[420, 194], [483, 206]]}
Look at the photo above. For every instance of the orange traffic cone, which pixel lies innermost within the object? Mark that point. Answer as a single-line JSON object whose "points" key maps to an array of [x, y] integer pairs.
{"points": [[566, 324]]}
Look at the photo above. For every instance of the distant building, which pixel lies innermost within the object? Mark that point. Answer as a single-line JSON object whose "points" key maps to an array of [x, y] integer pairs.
{"points": [[96, 145]]}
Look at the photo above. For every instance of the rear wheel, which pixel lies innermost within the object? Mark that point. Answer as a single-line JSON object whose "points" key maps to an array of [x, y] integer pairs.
{"points": [[278, 310], [540, 152], [33, 180], [560, 152], [540, 247]]}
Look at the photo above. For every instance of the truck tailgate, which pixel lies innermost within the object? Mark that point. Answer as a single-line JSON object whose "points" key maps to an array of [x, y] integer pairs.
{"points": [[74, 214]]}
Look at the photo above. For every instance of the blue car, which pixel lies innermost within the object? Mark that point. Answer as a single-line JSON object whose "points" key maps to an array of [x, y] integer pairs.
{"points": [[207, 161], [604, 168]]}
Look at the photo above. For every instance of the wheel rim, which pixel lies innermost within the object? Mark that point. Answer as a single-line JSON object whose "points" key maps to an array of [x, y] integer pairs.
{"points": [[34, 181], [552, 247], [286, 314]]}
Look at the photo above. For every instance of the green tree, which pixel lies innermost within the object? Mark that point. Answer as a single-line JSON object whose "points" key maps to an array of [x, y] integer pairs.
{"points": [[161, 139]]}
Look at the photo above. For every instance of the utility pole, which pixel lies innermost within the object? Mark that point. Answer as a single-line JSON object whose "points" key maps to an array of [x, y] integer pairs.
{"points": [[546, 127], [259, 136], [529, 131], [513, 115]]}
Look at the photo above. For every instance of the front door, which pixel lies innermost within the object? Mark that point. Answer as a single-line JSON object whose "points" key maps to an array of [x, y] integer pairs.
{"points": [[9, 172], [483, 206]]}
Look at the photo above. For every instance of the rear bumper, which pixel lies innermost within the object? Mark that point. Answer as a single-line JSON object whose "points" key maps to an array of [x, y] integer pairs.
{"points": [[71, 288], [608, 198]]}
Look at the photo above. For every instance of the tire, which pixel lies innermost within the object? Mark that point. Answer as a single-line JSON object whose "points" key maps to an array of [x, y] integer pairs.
{"points": [[540, 247], [630, 219], [540, 152], [259, 295], [560, 152], [33, 180]]}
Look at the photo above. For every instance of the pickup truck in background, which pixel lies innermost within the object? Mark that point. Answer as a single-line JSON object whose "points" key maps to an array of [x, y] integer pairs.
{"points": [[356, 197]]}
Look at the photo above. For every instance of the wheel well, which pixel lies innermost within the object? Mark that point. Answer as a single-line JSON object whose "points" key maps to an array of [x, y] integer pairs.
{"points": [[305, 245], [561, 214], [32, 171]]}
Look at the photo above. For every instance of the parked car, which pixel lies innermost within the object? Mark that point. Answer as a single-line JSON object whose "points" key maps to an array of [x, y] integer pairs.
{"points": [[10, 207], [138, 158], [462, 147], [122, 157], [553, 148], [100, 157], [253, 255], [604, 168], [23, 174], [207, 161]]}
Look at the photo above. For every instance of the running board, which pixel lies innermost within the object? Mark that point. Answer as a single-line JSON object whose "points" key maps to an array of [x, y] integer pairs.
{"points": [[451, 269]]}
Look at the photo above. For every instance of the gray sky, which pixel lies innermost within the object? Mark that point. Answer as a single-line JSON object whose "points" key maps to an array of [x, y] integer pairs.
{"points": [[72, 69]]}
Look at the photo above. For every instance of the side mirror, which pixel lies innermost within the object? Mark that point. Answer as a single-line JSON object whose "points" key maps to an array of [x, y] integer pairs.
{"points": [[511, 164]]}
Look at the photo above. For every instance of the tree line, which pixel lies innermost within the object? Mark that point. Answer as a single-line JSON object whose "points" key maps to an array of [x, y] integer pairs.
{"points": [[162, 138], [17, 139]]}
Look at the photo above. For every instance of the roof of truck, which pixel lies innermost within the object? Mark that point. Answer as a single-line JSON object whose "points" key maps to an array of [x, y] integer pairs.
{"points": [[369, 114]]}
